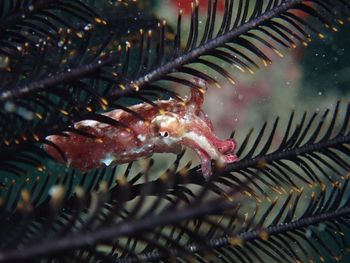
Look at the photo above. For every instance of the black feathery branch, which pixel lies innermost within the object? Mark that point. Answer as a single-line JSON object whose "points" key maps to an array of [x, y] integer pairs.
{"points": [[124, 229], [326, 212], [60, 72]]}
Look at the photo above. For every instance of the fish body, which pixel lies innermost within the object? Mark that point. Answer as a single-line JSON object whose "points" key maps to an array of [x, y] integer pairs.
{"points": [[164, 129]]}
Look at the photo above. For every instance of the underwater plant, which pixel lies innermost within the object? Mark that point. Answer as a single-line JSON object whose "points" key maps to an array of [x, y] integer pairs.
{"points": [[69, 67]]}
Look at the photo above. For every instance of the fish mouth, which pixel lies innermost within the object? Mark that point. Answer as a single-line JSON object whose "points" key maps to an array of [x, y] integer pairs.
{"points": [[211, 145], [210, 148], [226, 146]]}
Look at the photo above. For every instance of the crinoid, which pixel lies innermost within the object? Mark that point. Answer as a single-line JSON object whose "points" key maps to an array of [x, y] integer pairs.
{"points": [[64, 64]]}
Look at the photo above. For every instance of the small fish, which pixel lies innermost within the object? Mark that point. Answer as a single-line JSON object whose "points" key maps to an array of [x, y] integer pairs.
{"points": [[164, 130]]}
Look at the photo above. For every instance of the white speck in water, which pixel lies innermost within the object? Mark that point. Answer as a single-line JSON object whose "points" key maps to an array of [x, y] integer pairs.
{"points": [[320, 93], [87, 27], [60, 43]]}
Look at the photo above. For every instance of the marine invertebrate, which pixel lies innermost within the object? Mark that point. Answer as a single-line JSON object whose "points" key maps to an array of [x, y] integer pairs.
{"points": [[160, 127]]}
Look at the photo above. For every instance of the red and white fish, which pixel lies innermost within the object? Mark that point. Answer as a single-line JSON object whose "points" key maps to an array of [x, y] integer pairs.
{"points": [[164, 130]]}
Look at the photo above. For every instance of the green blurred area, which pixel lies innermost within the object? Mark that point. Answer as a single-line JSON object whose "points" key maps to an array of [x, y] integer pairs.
{"points": [[326, 63]]}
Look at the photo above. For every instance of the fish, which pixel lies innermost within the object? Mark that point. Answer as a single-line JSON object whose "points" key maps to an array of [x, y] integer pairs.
{"points": [[164, 128]]}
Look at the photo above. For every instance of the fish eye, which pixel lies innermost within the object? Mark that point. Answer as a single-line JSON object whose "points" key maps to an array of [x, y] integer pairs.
{"points": [[164, 134]]}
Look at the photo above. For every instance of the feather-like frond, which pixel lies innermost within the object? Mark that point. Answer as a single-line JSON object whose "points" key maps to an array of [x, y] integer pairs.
{"points": [[88, 212], [297, 228], [285, 199]]}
